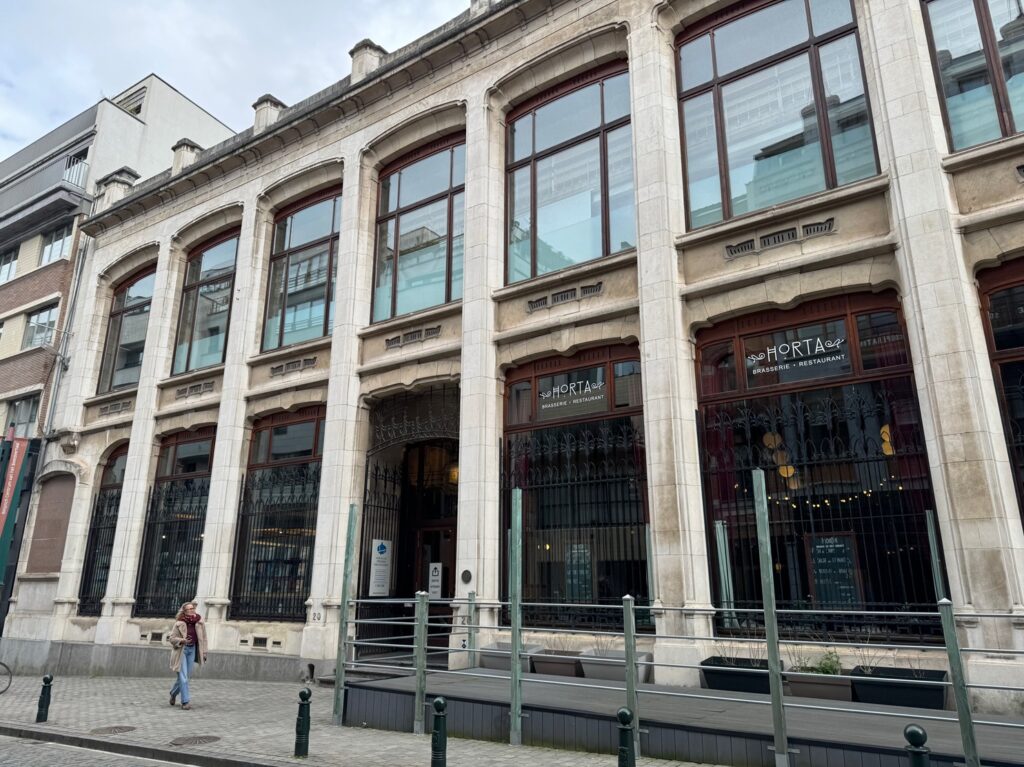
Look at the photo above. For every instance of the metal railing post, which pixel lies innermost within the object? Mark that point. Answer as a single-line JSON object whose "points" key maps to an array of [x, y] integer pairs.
{"points": [[43, 709], [629, 635], [346, 588], [439, 736], [959, 681], [771, 628], [302, 724], [420, 654], [473, 623], [918, 754], [627, 758], [515, 585]]}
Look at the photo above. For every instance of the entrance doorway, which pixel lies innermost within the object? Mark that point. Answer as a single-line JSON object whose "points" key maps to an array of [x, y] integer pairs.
{"points": [[409, 528]]}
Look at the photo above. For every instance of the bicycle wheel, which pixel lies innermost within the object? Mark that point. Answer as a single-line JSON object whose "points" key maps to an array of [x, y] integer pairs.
{"points": [[5, 678]]}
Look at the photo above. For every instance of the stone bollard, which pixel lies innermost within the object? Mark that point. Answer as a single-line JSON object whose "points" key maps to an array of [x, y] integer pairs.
{"points": [[626, 756], [44, 699], [439, 737], [919, 755], [302, 724]]}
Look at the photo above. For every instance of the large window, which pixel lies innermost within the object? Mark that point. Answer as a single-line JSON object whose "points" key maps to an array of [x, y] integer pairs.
{"points": [[773, 107], [99, 548], [206, 305], [420, 224], [977, 47], [570, 176], [175, 520], [303, 265], [56, 244], [277, 519], [8, 265], [822, 399], [39, 327], [574, 445], [126, 333], [22, 414]]}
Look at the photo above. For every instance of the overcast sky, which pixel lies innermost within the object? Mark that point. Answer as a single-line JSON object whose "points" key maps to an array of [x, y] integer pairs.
{"points": [[58, 57]]}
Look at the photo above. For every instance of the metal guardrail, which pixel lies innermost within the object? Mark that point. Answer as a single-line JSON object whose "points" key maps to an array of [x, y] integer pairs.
{"points": [[421, 630]]}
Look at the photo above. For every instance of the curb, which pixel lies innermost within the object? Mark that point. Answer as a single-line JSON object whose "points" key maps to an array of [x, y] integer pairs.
{"points": [[129, 748]]}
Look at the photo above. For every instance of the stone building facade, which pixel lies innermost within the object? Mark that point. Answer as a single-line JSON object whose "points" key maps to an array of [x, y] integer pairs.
{"points": [[613, 252]]}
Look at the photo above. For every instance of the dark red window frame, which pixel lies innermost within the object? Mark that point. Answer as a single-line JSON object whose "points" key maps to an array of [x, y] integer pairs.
{"points": [[311, 413], [174, 441], [122, 287]]}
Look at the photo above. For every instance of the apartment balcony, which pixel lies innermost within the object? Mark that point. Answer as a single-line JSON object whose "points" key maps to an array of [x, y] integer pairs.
{"points": [[41, 194]]}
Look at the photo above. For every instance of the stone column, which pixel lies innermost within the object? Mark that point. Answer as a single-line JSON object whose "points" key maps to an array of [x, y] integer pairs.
{"points": [[229, 454], [344, 454], [981, 531], [679, 553], [480, 408], [131, 517]]}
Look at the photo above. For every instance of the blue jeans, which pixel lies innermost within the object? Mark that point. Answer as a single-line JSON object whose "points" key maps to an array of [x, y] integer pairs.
{"points": [[188, 662]]}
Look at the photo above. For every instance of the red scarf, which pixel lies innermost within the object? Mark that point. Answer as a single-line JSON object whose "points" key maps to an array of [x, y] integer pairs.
{"points": [[190, 628]]}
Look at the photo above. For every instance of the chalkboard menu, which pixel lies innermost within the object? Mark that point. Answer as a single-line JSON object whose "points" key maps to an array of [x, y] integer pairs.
{"points": [[578, 573], [834, 573]]}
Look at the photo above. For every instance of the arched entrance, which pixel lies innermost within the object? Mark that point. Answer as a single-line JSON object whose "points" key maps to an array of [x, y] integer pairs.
{"points": [[410, 509]]}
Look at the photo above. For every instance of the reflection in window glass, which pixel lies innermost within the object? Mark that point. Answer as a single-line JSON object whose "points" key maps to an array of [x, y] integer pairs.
{"points": [[39, 327], [21, 414], [616, 97], [126, 335], [621, 205], [1008, 28], [881, 340], [760, 35], [113, 474], [1006, 316], [827, 15], [306, 297], [8, 264], [292, 441], [520, 399], [218, 260], [205, 308], [695, 62], [627, 384], [703, 184], [422, 257], [572, 115], [424, 179], [520, 226], [569, 207], [521, 137], [384, 271], [853, 144], [965, 78], [192, 457], [717, 368], [772, 139], [311, 223], [458, 243]]}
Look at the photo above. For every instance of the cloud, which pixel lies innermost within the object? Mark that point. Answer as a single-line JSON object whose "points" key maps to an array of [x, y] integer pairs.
{"points": [[59, 57]]}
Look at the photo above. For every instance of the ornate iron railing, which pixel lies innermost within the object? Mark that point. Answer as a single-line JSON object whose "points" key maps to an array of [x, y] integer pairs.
{"points": [[274, 549], [98, 550], [848, 489], [585, 531], [172, 546]]}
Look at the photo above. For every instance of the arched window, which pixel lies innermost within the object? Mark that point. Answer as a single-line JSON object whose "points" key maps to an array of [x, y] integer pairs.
{"points": [[303, 265], [100, 546], [773, 107], [420, 224], [206, 305], [126, 332], [570, 175]]}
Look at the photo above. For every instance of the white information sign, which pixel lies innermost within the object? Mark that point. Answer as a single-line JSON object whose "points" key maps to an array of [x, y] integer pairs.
{"points": [[380, 568], [435, 580]]}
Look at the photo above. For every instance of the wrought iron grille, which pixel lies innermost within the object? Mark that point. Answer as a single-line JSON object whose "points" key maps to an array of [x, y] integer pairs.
{"points": [[1012, 377], [172, 546], [274, 551], [848, 488], [584, 521], [381, 515], [98, 550], [416, 416]]}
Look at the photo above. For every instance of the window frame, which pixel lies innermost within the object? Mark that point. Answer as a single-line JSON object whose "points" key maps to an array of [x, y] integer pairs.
{"points": [[34, 421], [49, 238], [116, 453], [122, 287], [11, 254], [994, 69], [715, 84], [55, 306], [530, 106], [176, 440], [332, 239], [444, 144], [316, 414], [197, 253]]}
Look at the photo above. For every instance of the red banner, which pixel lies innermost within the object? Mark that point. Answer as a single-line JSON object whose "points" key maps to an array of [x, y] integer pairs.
{"points": [[18, 450]]}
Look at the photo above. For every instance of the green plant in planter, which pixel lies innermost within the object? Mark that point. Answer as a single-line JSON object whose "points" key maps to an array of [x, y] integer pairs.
{"points": [[828, 663]]}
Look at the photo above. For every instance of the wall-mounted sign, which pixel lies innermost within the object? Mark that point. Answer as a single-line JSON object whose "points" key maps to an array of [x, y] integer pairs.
{"points": [[578, 392], [835, 575], [380, 568], [434, 587], [797, 354]]}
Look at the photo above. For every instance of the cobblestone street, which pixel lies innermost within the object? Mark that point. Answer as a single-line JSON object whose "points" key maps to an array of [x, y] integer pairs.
{"points": [[253, 722]]}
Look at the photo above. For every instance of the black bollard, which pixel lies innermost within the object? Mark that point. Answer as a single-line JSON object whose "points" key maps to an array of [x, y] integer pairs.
{"points": [[626, 756], [302, 723], [919, 755], [44, 699], [439, 737]]}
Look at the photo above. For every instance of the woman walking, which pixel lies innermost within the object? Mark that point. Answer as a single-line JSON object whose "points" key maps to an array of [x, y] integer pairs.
{"points": [[188, 649]]}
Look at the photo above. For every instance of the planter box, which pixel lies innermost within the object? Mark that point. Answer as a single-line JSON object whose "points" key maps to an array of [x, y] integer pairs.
{"points": [[821, 686], [502, 661], [720, 673], [543, 663], [611, 664], [900, 687]]}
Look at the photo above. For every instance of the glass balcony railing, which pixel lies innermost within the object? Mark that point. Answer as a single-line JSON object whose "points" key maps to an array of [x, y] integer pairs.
{"points": [[66, 171]]}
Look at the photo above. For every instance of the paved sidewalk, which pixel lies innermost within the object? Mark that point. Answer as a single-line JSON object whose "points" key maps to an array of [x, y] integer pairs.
{"points": [[19, 752], [254, 723]]}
